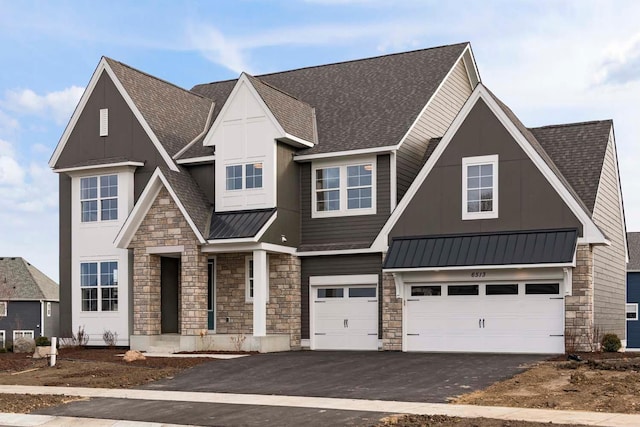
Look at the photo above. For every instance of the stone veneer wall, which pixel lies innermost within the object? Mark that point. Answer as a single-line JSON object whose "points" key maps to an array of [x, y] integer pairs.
{"points": [[284, 309], [579, 309], [391, 314], [164, 225]]}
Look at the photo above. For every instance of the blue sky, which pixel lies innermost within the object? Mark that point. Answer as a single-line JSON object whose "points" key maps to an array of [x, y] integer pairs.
{"points": [[550, 61]]}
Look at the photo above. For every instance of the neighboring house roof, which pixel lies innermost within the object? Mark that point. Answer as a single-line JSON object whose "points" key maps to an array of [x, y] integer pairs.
{"points": [[176, 116], [21, 281], [360, 104], [633, 240], [238, 224], [459, 250], [578, 150], [297, 118]]}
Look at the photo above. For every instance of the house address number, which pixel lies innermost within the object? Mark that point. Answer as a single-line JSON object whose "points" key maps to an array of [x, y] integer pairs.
{"points": [[478, 273]]}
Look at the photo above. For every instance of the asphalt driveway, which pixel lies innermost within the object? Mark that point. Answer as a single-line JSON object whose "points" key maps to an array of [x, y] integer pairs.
{"points": [[413, 377]]}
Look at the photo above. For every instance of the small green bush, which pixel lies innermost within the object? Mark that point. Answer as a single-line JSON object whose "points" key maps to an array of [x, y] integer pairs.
{"points": [[42, 342], [610, 343]]}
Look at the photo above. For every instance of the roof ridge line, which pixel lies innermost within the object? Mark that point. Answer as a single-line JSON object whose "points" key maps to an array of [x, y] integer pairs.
{"points": [[587, 122], [159, 79], [278, 89]]}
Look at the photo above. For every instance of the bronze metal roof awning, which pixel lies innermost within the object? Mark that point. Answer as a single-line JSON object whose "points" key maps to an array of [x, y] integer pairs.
{"points": [[482, 249], [238, 224]]}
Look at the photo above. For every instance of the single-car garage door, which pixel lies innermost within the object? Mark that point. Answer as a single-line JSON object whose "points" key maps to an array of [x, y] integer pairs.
{"points": [[494, 318], [345, 317]]}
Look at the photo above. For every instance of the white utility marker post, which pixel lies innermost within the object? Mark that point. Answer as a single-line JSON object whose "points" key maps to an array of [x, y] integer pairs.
{"points": [[54, 351], [260, 277]]}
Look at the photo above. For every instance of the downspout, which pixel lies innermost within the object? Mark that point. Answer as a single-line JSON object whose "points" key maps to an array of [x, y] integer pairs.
{"points": [[41, 317]]}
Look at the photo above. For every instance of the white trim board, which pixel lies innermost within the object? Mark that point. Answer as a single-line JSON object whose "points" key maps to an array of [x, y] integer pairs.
{"points": [[344, 280], [196, 160], [148, 196], [591, 232], [103, 166], [103, 66], [480, 267]]}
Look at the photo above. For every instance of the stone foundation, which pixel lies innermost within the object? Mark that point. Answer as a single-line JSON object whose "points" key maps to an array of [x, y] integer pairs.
{"points": [[391, 315], [284, 307], [234, 315]]}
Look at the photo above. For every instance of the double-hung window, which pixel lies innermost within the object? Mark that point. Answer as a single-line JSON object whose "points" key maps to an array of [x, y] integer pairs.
{"points": [[99, 286], [99, 198], [480, 187], [343, 189], [247, 176]]}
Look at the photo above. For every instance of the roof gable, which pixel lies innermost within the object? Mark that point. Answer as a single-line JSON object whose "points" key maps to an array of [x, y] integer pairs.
{"points": [[591, 233], [363, 104], [20, 281], [633, 240]]}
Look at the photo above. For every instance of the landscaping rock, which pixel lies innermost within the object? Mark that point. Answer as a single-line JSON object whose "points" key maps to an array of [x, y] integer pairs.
{"points": [[133, 355], [24, 345]]}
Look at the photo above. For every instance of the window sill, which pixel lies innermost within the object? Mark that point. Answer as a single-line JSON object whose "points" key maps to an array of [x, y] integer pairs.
{"points": [[352, 212], [482, 215]]}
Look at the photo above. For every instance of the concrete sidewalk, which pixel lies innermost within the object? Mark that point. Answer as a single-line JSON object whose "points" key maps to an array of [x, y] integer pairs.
{"points": [[504, 413]]}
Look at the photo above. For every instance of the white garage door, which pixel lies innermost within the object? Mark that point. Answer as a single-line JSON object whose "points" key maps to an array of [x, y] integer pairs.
{"points": [[494, 318], [345, 317]]}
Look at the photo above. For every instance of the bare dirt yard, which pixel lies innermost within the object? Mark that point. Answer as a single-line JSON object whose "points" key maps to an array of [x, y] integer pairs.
{"points": [[81, 368], [608, 382]]}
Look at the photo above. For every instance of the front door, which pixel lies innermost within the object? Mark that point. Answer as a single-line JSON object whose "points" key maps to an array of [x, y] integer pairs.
{"points": [[169, 278], [211, 295]]}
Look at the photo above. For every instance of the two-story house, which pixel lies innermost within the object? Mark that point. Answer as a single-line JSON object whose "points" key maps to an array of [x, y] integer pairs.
{"points": [[385, 203]]}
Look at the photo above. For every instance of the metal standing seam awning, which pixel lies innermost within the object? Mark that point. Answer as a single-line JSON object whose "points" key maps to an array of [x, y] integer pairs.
{"points": [[518, 248], [238, 224]]}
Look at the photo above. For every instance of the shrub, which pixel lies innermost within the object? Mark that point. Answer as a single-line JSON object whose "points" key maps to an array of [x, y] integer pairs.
{"points": [[110, 338], [42, 342], [610, 343]]}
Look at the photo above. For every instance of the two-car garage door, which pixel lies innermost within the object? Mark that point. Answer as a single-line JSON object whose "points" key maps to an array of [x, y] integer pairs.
{"points": [[505, 317]]}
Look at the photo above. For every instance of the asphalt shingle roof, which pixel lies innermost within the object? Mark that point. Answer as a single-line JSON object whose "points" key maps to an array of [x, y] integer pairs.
{"points": [[175, 115], [360, 104], [191, 197], [633, 241], [21, 281]]}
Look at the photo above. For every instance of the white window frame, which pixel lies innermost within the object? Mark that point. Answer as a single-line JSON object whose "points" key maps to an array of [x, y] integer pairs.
{"points": [[48, 309], [22, 334], [100, 198], [99, 286], [3, 337], [634, 309], [342, 166], [248, 279], [476, 161], [4, 308], [243, 176]]}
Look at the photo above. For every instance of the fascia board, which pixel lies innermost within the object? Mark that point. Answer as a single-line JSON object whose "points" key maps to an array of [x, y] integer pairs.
{"points": [[479, 267], [592, 233], [103, 166], [216, 123], [375, 150]]}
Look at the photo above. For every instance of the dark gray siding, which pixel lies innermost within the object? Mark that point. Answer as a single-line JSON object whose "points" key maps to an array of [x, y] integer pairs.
{"points": [[633, 297], [64, 247], [339, 265], [361, 229], [21, 315], [526, 199], [52, 323], [204, 176], [287, 222], [127, 139]]}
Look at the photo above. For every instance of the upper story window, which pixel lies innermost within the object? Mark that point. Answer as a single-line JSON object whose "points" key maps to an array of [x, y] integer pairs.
{"points": [[480, 187], [99, 195], [99, 286], [252, 177], [344, 189]]}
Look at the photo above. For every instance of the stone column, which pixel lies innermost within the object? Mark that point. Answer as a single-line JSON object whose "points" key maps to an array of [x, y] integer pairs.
{"points": [[260, 274], [146, 293], [391, 315], [193, 290], [579, 326]]}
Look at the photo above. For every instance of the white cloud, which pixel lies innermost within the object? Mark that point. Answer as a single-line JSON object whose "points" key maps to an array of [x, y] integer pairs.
{"points": [[6, 149], [59, 104], [10, 172], [622, 63], [217, 48], [7, 123]]}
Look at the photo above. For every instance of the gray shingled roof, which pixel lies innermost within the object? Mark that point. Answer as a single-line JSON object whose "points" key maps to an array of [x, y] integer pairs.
{"points": [[507, 248], [297, 118], [175, 115], [633, 241], [231, 225], [360, 104], [21, 281], [578, 150], [191, 197]]}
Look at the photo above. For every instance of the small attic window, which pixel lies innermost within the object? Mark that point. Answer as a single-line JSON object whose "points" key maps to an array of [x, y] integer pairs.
{"points": [[104, 122], [3, 309]]}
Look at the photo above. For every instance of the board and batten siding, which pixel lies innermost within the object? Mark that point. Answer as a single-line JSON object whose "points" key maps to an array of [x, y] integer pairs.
{"points": [[609, 262], [433, 123], [337, 265], [357, 229]]}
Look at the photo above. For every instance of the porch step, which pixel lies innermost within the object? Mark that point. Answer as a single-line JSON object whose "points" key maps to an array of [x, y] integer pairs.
{"points": [[163, 349]]}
